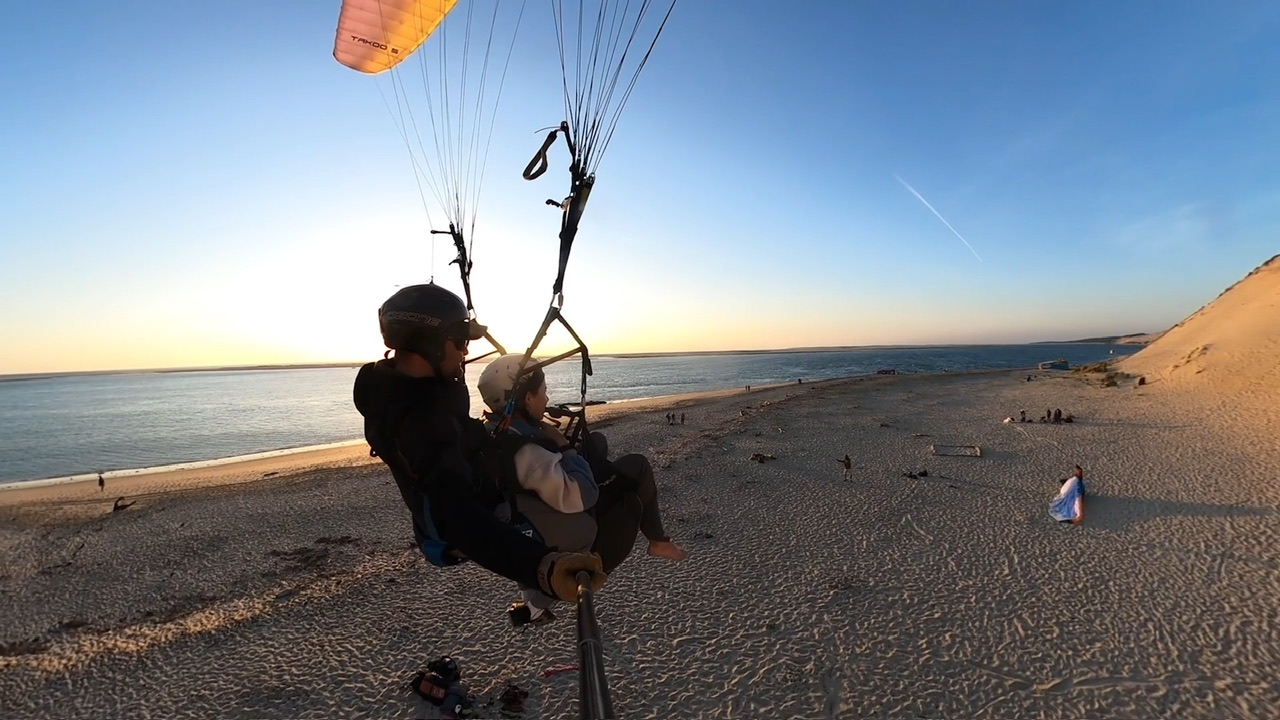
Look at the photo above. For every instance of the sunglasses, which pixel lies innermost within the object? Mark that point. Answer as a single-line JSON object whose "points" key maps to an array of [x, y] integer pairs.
{"points": [[460, 342]]}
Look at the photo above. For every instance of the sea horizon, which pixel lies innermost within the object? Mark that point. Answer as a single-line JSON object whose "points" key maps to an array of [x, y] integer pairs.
{"points": [[71, 425], [1106, 340]]}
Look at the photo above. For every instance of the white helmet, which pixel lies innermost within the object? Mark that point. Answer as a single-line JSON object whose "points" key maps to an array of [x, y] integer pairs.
{"points": [[499, 379]]}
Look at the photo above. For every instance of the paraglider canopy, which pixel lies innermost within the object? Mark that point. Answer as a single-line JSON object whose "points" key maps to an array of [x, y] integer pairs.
{"points": [[375, 35]]}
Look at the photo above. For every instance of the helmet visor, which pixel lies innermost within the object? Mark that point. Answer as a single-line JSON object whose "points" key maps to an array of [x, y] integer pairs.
{"points": [[467, 330]]}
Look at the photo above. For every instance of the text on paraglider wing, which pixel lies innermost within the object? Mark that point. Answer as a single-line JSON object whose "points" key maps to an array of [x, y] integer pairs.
{"points": [[374, 43]]}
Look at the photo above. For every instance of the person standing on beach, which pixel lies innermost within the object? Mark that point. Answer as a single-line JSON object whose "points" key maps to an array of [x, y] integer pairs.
{"points": [[416, 408], [847, 463]]}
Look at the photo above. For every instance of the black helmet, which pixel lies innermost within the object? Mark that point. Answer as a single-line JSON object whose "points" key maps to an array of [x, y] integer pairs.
{"points": [[418, 318]]}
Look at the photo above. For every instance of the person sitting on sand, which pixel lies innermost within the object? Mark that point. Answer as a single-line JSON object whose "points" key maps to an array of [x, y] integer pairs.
{"points": [[416, 419], [548, 467]]}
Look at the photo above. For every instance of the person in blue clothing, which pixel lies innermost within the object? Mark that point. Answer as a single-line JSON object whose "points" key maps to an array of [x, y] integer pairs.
{"points": [[571, 506]]}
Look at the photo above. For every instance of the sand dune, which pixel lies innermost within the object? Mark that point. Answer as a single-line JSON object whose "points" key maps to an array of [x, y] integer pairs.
{"points": [[1232, 340], [1223, 361]]}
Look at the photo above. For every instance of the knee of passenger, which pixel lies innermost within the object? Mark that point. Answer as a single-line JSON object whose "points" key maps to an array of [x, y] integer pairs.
{"points": [[597, 445], [642, 467]]}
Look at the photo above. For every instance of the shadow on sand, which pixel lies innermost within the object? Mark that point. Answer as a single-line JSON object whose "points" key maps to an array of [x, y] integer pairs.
{"points": [[1120, 513], [1135, 424]]}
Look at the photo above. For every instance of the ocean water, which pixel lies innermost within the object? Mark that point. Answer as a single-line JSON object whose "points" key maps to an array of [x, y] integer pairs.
{"points": [[69, 426]]}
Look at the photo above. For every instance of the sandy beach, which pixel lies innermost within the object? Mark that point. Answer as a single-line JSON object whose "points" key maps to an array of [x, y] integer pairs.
{"points": [[947, 596]]}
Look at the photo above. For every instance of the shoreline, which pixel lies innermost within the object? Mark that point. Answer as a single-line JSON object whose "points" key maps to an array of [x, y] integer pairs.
{"points": [[307, 456], [285, 462], [186, 477], [175, 467]]}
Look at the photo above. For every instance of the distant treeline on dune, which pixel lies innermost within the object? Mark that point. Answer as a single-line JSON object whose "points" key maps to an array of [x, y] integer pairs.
{"points": [[1134, 339]]}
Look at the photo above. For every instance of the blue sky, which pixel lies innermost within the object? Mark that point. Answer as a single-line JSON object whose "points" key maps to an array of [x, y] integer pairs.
{"points": [[195, 184]]}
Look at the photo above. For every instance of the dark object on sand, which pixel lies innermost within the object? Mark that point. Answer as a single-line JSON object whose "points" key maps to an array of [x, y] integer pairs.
{"points": [[761, 457], [120, 504], [441, 684], [512, 699], [961, 450], [520, 614]]}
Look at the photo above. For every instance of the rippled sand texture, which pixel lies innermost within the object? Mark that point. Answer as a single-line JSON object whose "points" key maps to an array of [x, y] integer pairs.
{"points": [[947, 596]]}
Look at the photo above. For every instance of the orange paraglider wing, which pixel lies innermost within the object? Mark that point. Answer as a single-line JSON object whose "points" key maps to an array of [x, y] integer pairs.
{"points": [[375, 35]]}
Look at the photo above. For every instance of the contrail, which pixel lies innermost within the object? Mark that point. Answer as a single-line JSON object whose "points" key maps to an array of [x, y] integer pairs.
{"points": [[935, 212]]}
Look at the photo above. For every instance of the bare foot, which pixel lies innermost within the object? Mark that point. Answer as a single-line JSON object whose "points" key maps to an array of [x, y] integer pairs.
{"points": [[666, 549]]}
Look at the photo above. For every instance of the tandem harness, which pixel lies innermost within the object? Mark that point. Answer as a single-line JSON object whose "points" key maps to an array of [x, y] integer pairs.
{"points": [[493, 476]]}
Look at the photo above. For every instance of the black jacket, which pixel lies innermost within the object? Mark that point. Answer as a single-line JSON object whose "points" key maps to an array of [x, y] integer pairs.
{"points": [[422, 429]]}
